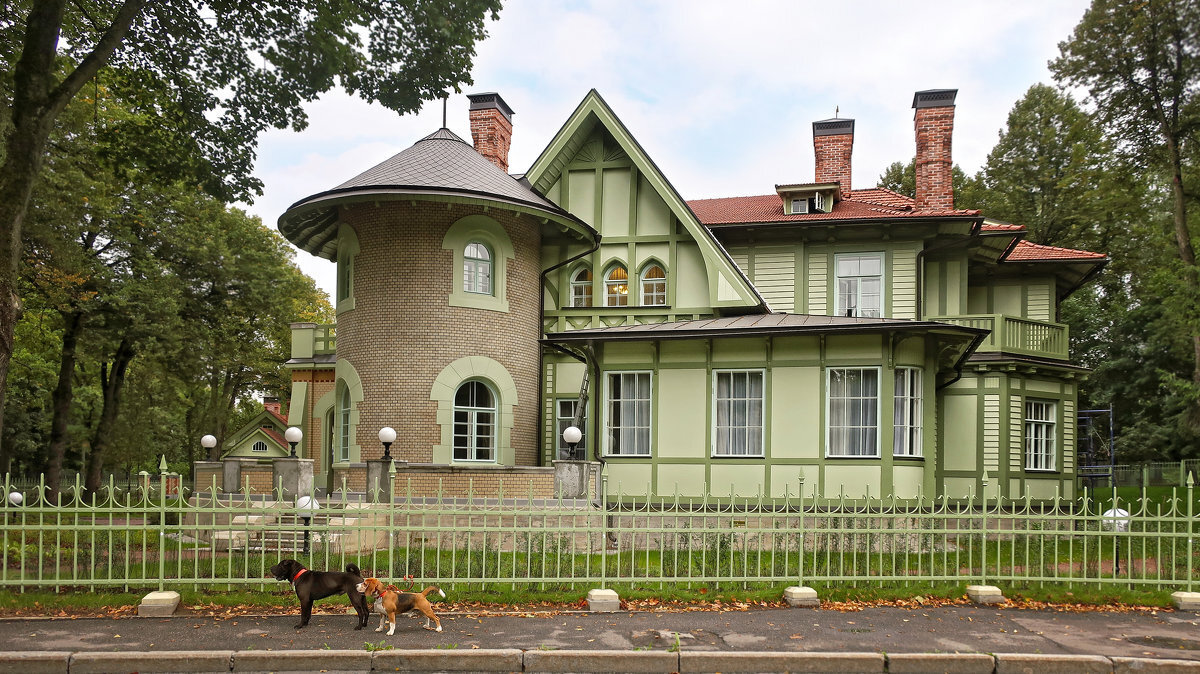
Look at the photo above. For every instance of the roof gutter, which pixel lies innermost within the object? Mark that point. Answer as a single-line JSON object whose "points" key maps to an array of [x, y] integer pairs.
{"points": [[649, 335], [962, 360]]}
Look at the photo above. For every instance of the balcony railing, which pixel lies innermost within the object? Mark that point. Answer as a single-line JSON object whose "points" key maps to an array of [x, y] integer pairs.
{"points": [[311, 339], [1012, 334]]}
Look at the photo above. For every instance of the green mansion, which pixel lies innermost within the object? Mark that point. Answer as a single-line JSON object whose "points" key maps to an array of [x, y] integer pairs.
{"points": [[847, 342]]}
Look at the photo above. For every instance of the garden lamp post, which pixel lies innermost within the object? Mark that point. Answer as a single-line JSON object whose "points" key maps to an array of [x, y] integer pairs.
{"points": [[572, 436], [293, 436], [208, 442], [387, 435], [307, 506]]}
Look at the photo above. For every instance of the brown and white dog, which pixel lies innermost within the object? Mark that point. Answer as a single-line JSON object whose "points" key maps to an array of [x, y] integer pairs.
{"points": [[390, 602]]}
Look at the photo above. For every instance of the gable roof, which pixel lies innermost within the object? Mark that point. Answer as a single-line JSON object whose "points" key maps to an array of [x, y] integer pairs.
{"points": [[1026, 251], [593, 110], [440, 164]]}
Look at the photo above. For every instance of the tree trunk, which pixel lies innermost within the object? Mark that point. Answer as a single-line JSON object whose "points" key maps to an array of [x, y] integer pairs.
{"points": [[37, 99], [62, 398], [111, 385]]}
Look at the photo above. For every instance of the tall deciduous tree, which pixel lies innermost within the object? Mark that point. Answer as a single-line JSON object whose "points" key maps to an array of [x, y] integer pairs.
{"points": [[901, 178], [1140, 63], [216, 73]]}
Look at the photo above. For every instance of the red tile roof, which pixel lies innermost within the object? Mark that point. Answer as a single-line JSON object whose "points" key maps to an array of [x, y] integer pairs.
{"points": [[1001, 227], [275, 436], [275, 413], [1036, 251], [858, 205]]}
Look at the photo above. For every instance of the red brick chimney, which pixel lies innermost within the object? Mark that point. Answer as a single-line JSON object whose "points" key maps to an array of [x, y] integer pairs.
{"points": [[491, 127], [272, 404], [833, 141], [934, 124]]}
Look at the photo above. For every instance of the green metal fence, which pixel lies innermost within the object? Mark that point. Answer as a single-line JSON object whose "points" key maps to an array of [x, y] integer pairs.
{"points": [[149, 538]]}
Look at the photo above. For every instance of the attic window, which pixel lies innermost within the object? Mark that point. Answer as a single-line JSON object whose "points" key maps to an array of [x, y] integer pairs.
{"points": [[799, 206], [819, 203], [259, 446]]}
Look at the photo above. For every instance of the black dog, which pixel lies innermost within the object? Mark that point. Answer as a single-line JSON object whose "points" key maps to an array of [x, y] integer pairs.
{"points": [[313, 585]]}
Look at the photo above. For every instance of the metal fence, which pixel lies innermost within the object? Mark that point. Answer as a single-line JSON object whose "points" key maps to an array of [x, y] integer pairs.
{"points": [[148, 538]]}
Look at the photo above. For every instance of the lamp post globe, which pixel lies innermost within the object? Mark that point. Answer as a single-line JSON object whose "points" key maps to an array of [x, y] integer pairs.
{"points": [[387, 435], [293, 435], [572, 436]]}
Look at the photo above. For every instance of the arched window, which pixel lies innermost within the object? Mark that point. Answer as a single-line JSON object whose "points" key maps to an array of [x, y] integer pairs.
{"points": [[581, 288], [654, 286], [344, 424], [477, 269], [474, 423], [259, 446], [616, 287]]}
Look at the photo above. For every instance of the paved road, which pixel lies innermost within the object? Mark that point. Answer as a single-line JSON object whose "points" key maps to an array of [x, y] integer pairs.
{"points": [[892, 630]]}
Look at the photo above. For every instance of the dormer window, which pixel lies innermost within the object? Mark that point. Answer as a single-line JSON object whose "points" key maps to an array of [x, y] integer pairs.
{"points": [[799, 206], [809, 197], [819, 203]]}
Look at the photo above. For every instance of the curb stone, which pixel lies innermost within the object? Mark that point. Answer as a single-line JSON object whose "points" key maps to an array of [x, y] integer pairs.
{"points": [[302, 661], [1025, 663], [157, 661], [444, 660], [781, 662], [1131, 665], [948, 663], [601, 661], [35, 662]]}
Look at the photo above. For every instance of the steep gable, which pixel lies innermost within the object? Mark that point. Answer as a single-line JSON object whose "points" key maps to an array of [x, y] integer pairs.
{"points": [[596, 170]]}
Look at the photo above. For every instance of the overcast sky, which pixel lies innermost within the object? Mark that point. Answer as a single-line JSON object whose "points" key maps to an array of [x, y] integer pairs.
{"points": [[722, 95]]}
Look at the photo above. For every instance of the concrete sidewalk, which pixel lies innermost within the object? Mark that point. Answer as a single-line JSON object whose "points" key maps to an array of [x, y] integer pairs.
{"points": [[875, 639]]}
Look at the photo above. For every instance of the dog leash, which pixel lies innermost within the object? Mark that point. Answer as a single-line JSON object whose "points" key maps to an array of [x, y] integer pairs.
{"points": [[411, 584]]}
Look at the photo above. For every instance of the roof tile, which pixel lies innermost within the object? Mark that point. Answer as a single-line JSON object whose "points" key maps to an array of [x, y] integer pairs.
{"points": [[1025, 250]]}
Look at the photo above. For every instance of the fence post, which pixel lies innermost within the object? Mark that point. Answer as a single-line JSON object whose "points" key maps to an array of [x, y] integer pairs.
{"points": [[603, 529], [1191, 523], [162, 522], [983, 536], [800, 572]]}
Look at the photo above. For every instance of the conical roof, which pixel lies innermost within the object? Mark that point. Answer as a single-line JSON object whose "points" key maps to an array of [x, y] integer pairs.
{"points": [[440, 163]]}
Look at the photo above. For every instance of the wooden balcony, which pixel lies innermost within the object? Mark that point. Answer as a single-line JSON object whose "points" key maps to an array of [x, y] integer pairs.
{"points": [[1011, 334]]}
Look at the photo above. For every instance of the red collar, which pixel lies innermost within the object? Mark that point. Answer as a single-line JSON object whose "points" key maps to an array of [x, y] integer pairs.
{"points": [[298, 574]]}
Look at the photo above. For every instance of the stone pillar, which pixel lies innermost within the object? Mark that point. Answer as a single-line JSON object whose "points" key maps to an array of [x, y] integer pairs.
{"points": [[572, 479], [231, 475], [294, 475], [379, 480]]}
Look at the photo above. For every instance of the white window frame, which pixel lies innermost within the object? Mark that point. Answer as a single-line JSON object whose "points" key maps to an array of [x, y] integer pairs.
{"points": [[828, 409], [563, 422], [907, 412], [581, 290], [344, 423], [606, 412], [799, 206], [611, 284], [472, 424], [1041, 455], [748, 429], [643, 282], [837, 283], [474, 269]]}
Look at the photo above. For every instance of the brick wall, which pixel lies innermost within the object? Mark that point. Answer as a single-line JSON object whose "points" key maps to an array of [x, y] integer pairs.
{"points": [[402, 332], [492, 135], [934, 128], [423, 481], [320, 382], [207, 473], [833, 159]]}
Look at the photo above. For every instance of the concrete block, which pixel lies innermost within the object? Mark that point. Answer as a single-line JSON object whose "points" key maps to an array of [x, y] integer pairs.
{"points": [[159, 604], [35, 662], [160, 661], [1186, 601], [603, 600], [1023, 663], [949, 663], [711, 661], [280, 662], [1154, 665], [801, 596], [601, 661], [447, 660], [228, 540], [985, 594]]}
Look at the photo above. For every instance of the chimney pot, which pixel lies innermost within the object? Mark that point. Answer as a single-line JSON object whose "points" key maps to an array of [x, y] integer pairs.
{"points": [[933, 122], [491, 127], [833, 143]]}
